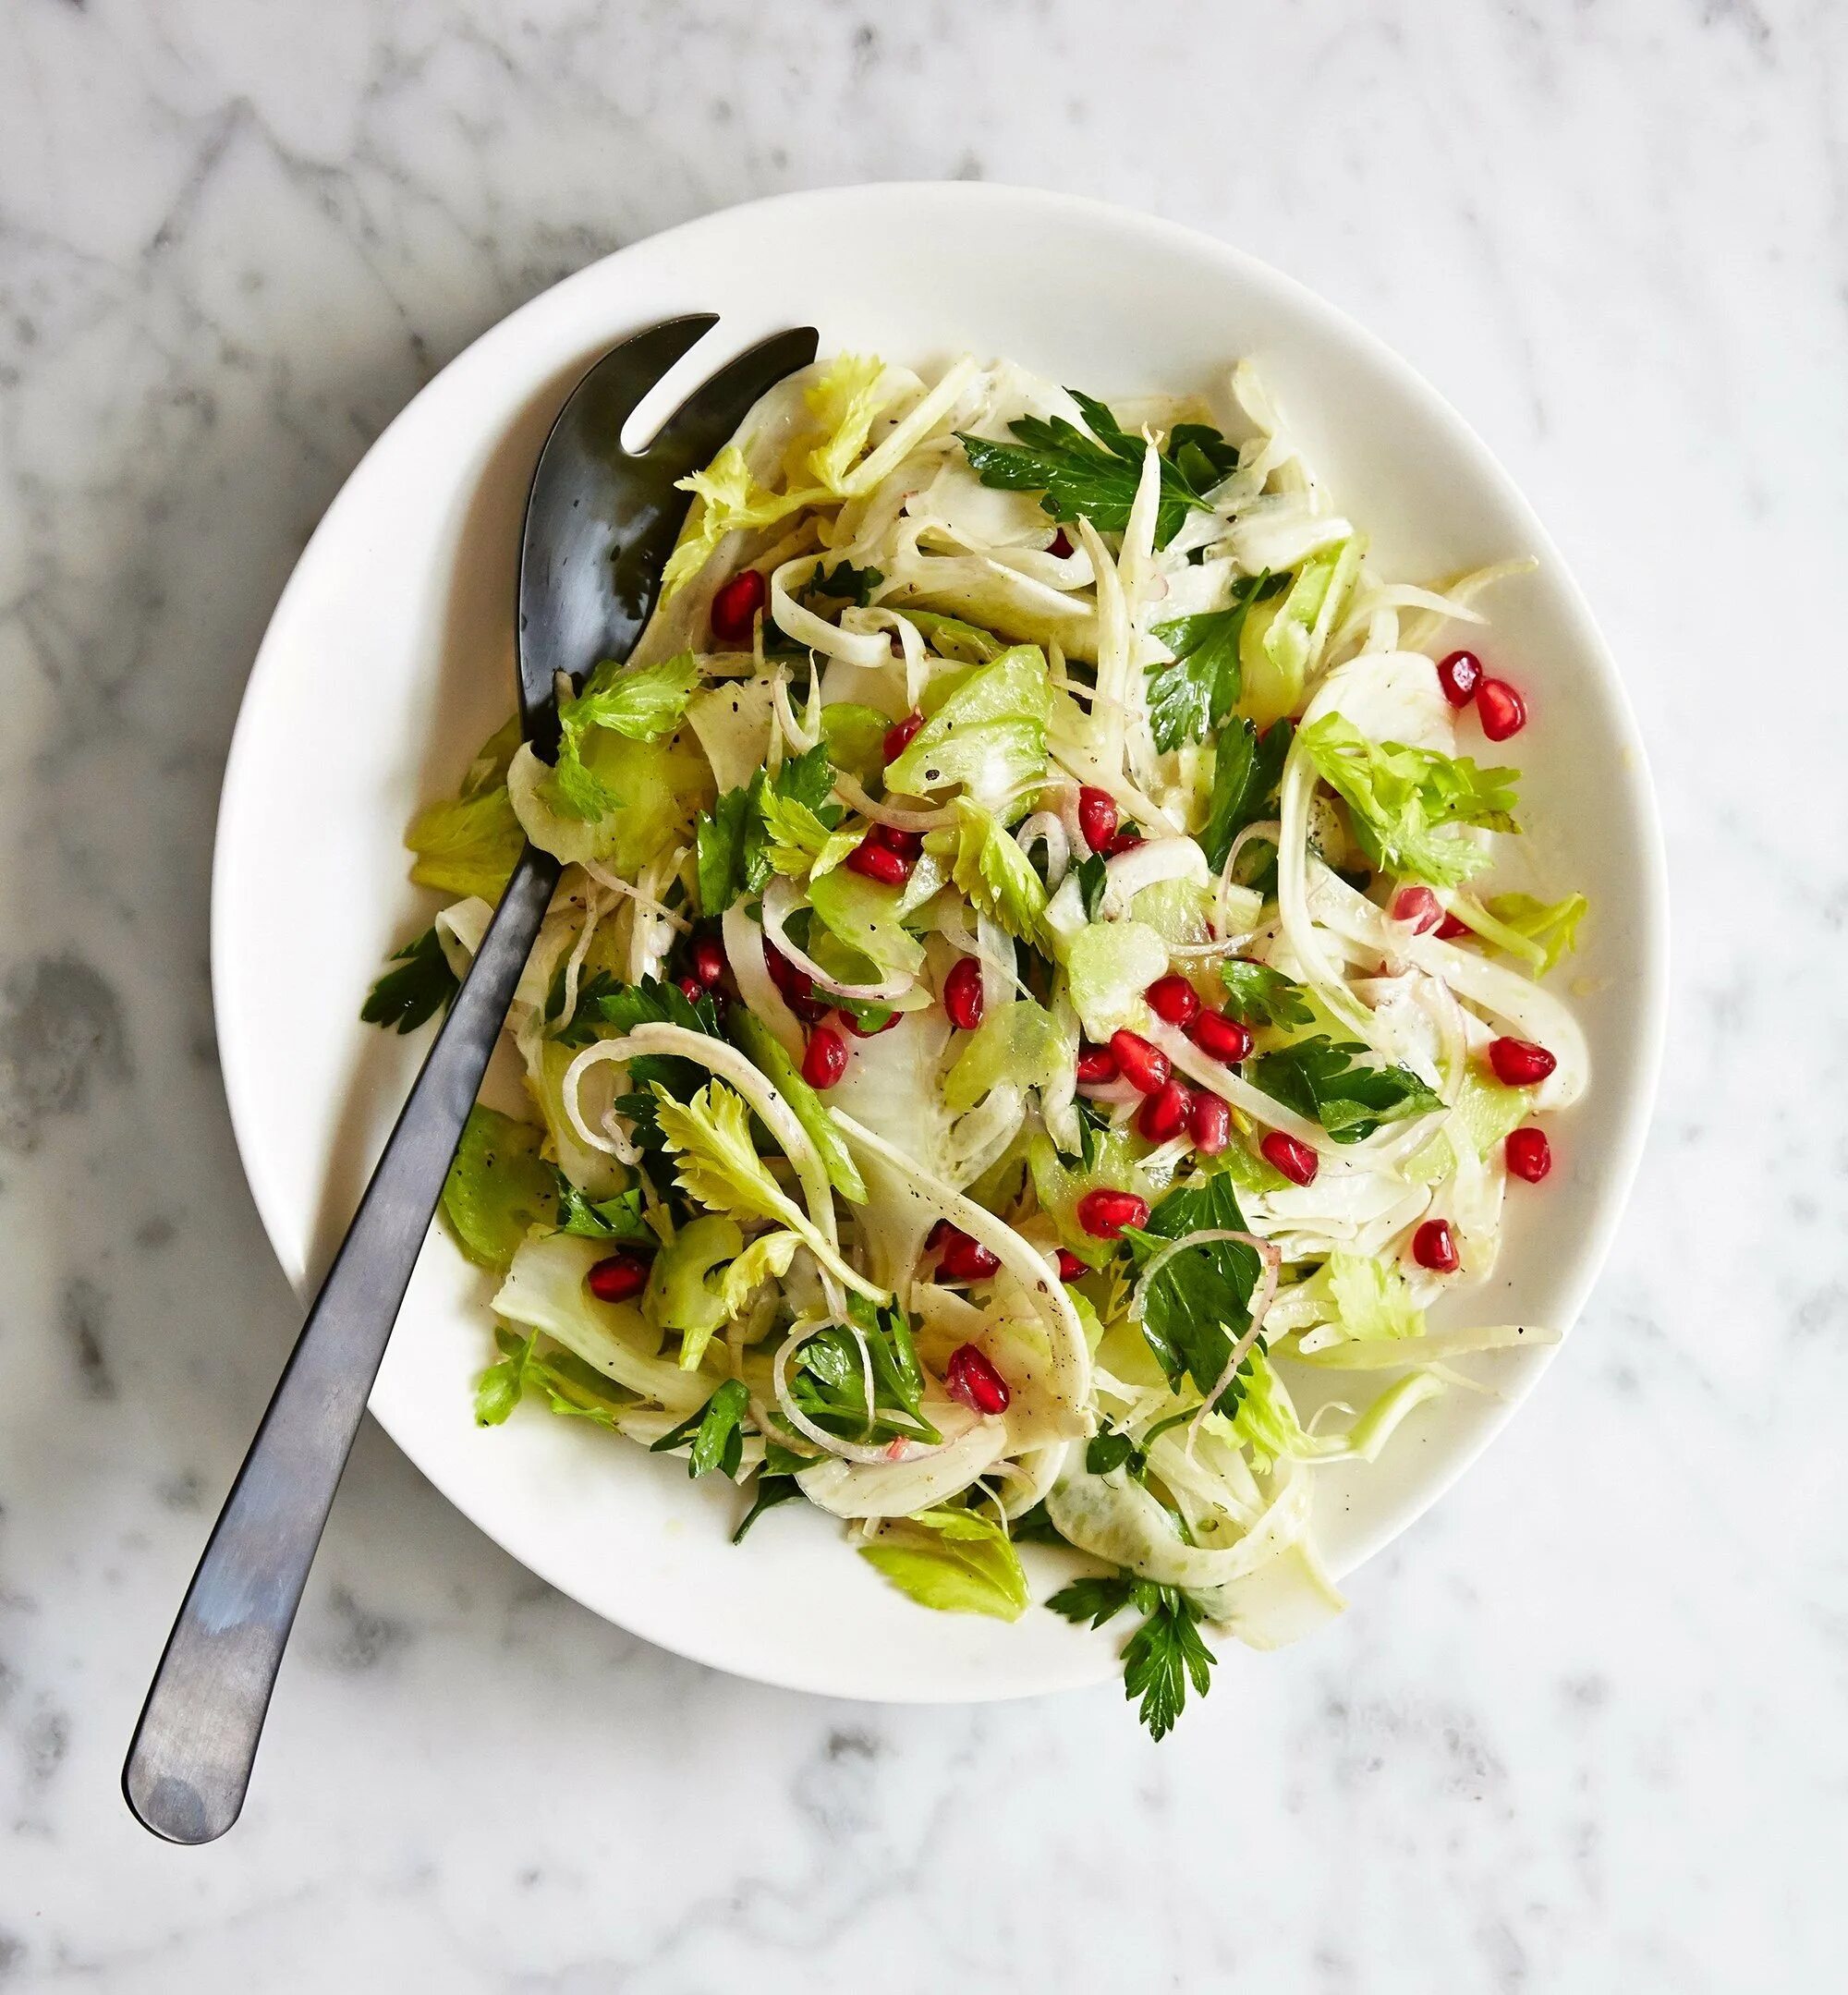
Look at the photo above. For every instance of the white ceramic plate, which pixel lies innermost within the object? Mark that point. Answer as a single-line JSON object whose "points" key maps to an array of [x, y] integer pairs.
{"points": [[389, 659]]}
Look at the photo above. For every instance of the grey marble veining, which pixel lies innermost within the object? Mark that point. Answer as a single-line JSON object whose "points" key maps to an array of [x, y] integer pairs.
{"points": [[1586, 1726]]}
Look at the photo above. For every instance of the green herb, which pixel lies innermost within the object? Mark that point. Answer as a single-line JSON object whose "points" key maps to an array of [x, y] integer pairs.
{"points": [[769, 1492], [733, 842], [407, 997], [1246, 770], [1082, 477], [579, 1028], [1191, 697], [1200, 1302], [844, 583], [1202, 455], [1093, 876], [1163, 1654], [1256, 994], [1320, 1079], [830, 1386], [716, 1432], [609, 1219], [1111, 1450]]}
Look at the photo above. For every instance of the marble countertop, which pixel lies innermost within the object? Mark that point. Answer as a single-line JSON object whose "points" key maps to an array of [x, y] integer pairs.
{"points": [[1586, 1727]]}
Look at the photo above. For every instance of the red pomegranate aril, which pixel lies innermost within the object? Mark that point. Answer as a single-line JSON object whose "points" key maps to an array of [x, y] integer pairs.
{"points": [[1127, 840], [907, 845], [1297, 1160], [692, 990], [1459, 675], [962, 994], [1529, 1155], [898, 735], [706, 959], [1143, 1066], [1104, 1215], [1209, 1122], [938, 1235], [1164, 1114], [1450, 928], [619, 1277], [970, 1377], [1061, 544], [796, 987], [1071, 1268], [736, 605], [1174, 999], [1518, 1062], [879, 862], [1500, 709], [1418, 905], [1097, 817], [824, 1059], [850, 1023], [1220, 1038], [964, 1260], [1096, 1067], [1434, 1247]]}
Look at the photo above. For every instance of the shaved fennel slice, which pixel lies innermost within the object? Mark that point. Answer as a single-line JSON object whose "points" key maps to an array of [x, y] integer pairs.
{"points": [[744, 951], [888, 1488], [1119, 1520], [725, 1060], [1515, 1000], [1071, 1354]]}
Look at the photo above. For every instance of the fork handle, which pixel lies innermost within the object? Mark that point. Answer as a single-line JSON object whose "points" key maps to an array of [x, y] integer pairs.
{"points": [[189, 1762]]}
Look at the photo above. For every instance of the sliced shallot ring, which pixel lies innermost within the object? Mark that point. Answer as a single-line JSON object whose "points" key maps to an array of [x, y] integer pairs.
{"points": [[781, 899]]}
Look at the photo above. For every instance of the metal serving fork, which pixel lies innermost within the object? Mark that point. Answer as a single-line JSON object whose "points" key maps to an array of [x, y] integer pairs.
{"points": [[600, 523]]}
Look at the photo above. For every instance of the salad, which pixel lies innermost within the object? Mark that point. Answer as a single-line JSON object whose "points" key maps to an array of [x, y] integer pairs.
{"points": [[1023, 1036]]}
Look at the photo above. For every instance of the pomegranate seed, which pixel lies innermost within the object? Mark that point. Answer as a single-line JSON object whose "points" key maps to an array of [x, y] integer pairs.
{"points": [[736, 605], [1209, 1122], [898, 735], [1518, 1062], [971, 1379], [1071, 1268], [1104, 1215], [824, 1059], [1172, 998], [859, 1030], [1297, 1160], [624, 1274], [1220, 1038], [1165, 1113], [1061, 544], [1097, 817], [938, 1235], [706, 958], [907, 845], [1434, 1247], [797, 986], [1500, 709], [1124, 841], [1529, 1155], [964, 1260], [1143, 1066], [1097, 1066], [1450, 928], [1419, 907], [692, 990], [1459, 675], [962, 994], [879, 862]]}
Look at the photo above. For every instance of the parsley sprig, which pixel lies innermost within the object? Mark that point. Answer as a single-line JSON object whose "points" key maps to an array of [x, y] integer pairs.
{"points": [[417, 991], [1095, 477], [1166, 1652]]}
